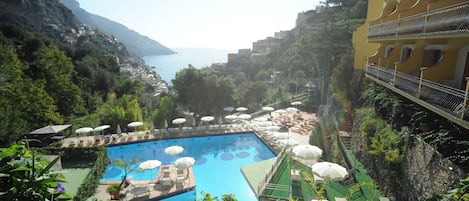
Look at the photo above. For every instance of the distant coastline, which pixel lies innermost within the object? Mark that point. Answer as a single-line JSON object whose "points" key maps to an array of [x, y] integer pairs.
{"points": [[168, 65]]}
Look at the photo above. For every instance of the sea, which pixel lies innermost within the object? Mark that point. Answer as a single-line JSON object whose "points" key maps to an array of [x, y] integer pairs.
{"points": [[168, 65]]}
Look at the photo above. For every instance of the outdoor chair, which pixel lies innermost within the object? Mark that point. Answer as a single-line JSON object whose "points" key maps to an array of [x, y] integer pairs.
{"points": [[138, 191]]}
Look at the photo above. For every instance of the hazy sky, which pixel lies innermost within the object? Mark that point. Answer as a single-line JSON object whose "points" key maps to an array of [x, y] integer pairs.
{"points": [[225, 24]]}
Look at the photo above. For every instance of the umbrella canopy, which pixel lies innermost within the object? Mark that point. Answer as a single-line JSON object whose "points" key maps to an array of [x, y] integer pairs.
{"points": [[179, 121], [330, 170], [268, 109], [280, 111], [84, 130], [118, 130], [228, 109], [231, 118], [291, 109], [184, 162], [207, 118], [173, 150], [307, 151], [135, 124], [296, 103], [288, 142], [101, 128], [50, 129], [149, 164], [241, 109], [165, 124], [244, 116]]}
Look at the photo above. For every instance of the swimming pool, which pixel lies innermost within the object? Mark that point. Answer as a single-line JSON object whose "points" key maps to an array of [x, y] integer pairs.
{"points": [[218, 161]]}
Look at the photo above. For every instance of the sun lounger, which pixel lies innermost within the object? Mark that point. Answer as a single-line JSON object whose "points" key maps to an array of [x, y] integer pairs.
{"points": [[138, 191]]}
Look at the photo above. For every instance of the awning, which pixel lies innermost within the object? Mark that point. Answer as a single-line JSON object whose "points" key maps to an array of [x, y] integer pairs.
{"points": [[51, 129], [57, 137]]}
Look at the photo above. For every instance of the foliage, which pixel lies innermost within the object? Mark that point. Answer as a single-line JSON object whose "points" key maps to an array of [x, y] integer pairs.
{"points": [[24, 176], [91, 182], [319, 189], [25, 103], [83, 156], [113, 188], [380, 138], [459, 193], [203, 91], [127, 166], [398, 112], [208, 197]]}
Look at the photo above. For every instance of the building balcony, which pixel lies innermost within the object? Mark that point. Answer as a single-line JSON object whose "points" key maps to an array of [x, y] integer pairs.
{"points": [[449, 102], [436, 23]]}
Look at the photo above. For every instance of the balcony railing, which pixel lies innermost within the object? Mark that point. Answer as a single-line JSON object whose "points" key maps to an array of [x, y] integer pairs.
{"points": [[453, 19], [264, 183], [445, 99]]}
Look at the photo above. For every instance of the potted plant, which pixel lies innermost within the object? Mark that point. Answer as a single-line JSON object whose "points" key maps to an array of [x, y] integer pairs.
{"points": [[114, 191]]}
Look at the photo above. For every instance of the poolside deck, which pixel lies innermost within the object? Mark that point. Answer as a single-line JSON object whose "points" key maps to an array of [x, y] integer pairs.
{"points": [[158, 189], [254, 173]]}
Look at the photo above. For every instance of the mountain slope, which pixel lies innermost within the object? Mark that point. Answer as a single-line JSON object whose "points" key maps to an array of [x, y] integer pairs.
{"points": [[135, 43]]}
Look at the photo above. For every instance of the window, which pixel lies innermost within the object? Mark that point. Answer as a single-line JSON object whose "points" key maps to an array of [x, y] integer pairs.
{"points": [[388, 51]]}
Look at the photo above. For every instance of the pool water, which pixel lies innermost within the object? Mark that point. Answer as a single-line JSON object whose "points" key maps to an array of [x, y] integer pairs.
{"points": [[217, 169]]}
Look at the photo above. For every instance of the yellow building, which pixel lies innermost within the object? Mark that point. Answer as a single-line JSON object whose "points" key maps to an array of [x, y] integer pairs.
{"points": [[419, 49]]}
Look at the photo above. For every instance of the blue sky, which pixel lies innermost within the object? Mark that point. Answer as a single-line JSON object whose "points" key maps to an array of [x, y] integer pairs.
{"points": [[222, 24]]}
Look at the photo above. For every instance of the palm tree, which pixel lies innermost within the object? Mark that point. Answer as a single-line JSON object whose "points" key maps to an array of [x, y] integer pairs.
{"points": [[126, 165]]}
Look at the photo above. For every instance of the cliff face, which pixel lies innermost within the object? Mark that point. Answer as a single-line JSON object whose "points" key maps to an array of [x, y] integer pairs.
{"points": [[136, 44], [422, 174], [36, 14]]}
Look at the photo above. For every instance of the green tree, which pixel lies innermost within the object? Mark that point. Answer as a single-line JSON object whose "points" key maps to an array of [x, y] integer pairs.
{"points": [[56, 69], [25, 103]]}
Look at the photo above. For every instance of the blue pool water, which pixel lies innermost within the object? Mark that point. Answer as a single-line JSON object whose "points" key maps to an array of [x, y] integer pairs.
{"points": [[218, 161]]}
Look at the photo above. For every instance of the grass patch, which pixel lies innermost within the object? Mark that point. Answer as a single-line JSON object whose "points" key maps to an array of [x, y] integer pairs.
{"points": [[74, 178]]}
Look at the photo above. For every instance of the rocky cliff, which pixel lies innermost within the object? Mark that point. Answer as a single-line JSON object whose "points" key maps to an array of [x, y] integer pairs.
{"points": [[422, 174], [136, 44]]}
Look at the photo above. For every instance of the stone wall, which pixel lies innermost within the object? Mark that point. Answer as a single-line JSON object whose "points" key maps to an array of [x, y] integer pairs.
{"points": [[422, 174]]}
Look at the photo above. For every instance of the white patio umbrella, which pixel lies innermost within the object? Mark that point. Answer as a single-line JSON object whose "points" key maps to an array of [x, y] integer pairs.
{"points": [[231, 118], [307, 151], [173, 150], [241, 109], [135, 124], [118, 129], [268, 109], [330, 170], [179, 121], [279, 111], [244, 116], [184, 162], [296, 103], [149, 164], [207, 118], [84, 130], [228, 109], [101, 128], [292, 109]]}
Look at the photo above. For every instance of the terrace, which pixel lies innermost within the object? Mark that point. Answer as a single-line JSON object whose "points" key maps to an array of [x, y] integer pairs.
{"points": [[444, 21], [446, 101], [294, 179]]}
